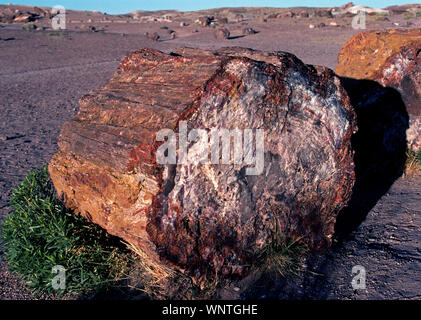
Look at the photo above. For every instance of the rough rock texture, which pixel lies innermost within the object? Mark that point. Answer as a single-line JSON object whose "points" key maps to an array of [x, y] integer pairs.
{"points": [[210, 217], [9, 15], [393, 59], [222, 34], [152, 36], [204, 21]]}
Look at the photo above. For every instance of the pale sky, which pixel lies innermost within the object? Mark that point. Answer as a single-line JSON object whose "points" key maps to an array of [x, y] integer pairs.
{"points": [[125, 6]]}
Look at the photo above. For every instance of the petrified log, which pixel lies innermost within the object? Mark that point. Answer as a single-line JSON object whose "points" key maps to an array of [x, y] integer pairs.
{"points": [[204, 21], [289, 177], [393, 59], [222, 34], [152, 36]]}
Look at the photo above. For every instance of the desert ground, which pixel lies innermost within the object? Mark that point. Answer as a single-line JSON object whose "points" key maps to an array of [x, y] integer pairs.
{"points": [[44, 72]]}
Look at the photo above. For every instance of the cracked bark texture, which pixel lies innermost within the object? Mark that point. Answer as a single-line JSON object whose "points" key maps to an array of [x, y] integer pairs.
{"points": [[210, 218], [393, 59]]}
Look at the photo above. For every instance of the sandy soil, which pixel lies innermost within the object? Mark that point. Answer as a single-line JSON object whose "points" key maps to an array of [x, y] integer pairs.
{"points": [[44, 73]]}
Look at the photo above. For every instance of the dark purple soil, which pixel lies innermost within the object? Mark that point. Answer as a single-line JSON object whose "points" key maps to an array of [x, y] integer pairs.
{"points": [[42, 76]]}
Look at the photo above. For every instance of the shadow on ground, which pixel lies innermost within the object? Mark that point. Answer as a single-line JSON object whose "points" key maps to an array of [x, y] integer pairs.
{"points": [[380, 148]]}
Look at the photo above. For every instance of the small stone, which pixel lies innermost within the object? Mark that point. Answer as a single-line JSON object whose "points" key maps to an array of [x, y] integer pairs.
{"points": [[152, 36], [222, 34], [248, 31]]}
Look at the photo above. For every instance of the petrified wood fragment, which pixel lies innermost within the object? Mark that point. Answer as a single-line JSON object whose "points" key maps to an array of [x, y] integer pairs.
{"points": [[222, 34], [393, 59], [211, 216]]}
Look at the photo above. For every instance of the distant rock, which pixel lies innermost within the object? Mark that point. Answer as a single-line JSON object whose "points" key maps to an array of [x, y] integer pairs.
{"points": [[24, 18], [248, 31], [222, 34], [303, 14], [347, 6], [393, 59], [239, 17], [222, 20], [16, 16], [204, 21], [323, 13], [172, 34], [288, 14], [275, 16], [397, 11], [152, 36]]}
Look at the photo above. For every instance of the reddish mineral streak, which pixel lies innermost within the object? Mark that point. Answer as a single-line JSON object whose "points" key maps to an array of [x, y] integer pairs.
{"points": [[210, 218]]}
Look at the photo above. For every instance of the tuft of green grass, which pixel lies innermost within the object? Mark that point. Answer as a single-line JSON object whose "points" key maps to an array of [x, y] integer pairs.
{"points": [[413, 163], [282, 254], [164, 27], [418, 13], [40, 233], [284, 257]]}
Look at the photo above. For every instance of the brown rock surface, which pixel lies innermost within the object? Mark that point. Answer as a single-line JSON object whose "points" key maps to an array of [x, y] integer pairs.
{"points": [[204, 21], [222, 34], [393, 59], [152, 36], [210, 217]]}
